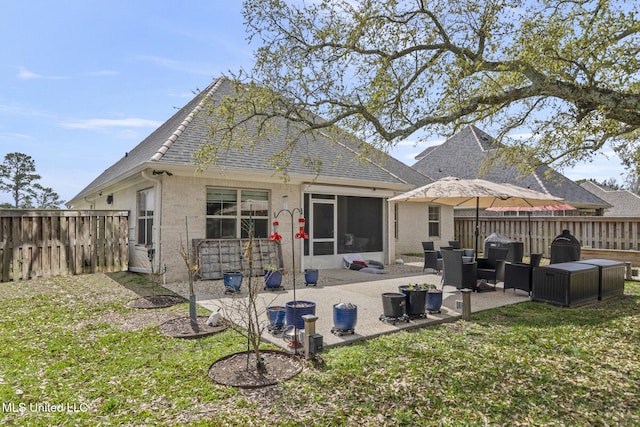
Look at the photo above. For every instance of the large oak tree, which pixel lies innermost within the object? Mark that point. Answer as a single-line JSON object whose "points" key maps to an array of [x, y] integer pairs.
{"points": [[564, 71]]}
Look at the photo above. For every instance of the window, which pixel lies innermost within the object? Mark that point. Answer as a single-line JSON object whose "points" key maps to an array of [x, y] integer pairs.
{"points": [[396, 213], [434, 221], [231, 211], [146, 202]]}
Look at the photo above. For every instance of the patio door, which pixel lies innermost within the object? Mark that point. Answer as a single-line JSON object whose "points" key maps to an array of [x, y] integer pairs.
{"points": [[323, 226]]}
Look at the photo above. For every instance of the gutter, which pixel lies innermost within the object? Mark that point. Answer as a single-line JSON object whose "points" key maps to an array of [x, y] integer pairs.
{"points": [[157, 235]]}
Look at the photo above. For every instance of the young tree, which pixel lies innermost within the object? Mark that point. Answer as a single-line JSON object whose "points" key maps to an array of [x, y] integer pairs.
{"points": [[46, 198], [563, 71], [18, 177]]}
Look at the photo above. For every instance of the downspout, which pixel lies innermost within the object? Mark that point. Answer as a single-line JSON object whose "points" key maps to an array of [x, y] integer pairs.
{"points": [[157, 211], [92, 203], [389, 232]]}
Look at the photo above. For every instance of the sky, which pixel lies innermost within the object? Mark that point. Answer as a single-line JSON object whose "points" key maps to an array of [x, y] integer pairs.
{"points": [[84, 81]]}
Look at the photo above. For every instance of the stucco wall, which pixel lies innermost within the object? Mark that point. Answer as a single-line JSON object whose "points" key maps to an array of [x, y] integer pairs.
{"points": [[413, 227], [184, 199]]}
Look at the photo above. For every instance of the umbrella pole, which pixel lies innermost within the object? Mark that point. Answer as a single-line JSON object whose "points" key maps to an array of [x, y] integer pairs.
{"points": [[477, 225], [530, 242]]}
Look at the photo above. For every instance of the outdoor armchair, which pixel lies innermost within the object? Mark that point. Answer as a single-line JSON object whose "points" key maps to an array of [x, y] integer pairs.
{"points": [[432, 257], [519, 275], [456, 272], [491, 268], [455, 244]]}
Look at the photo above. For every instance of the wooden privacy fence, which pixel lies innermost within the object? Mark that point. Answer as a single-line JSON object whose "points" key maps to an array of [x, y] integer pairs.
{"points": [[620, 233], [48, 243]]}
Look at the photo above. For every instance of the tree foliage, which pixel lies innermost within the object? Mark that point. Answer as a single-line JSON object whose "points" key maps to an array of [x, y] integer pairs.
{"points": [[563, 71], [18, 177]]}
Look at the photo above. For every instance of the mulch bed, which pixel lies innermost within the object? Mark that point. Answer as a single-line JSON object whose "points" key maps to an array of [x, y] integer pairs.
{"points": [[182, 327], [232, 370], [156, 301]]}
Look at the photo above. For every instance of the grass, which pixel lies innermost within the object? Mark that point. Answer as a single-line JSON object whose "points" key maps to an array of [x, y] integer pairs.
{"points": [[73, 344]]}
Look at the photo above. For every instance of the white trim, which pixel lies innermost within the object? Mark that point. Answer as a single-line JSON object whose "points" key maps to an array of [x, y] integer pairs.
{"points": [[347, 191]]}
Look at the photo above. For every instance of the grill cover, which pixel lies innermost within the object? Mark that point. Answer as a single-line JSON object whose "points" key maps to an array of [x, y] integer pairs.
{"points": [[496, 240], [565, 248]]}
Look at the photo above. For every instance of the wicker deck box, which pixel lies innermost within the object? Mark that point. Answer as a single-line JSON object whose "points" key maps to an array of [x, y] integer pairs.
{"points": [[611, 280], [567, 284]]}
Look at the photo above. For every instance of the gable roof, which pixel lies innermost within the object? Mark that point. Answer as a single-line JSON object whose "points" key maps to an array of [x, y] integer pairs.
{"points": [[174, 143], [463, 155], [623, 202]]}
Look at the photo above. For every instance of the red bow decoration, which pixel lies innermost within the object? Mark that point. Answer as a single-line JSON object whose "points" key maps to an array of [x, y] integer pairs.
{"points": [[275, 235], [301, 234]]}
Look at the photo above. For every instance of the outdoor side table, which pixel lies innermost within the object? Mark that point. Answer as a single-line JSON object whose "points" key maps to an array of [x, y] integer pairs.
{"points": [[611, 278], [567, 284]]}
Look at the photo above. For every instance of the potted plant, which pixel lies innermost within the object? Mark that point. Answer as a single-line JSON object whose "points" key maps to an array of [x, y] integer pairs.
{"points": [[311, 276], [434, 299], [345, 317], [296, 309], [272, 277], [232, 281], [416, 296]]}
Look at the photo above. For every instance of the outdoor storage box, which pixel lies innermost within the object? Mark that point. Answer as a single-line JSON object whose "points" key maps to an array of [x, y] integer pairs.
{"points": [[567, 283], [611, 281]]}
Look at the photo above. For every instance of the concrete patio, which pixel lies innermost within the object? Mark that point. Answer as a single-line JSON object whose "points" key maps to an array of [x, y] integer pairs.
{"points": [[362, 289]]}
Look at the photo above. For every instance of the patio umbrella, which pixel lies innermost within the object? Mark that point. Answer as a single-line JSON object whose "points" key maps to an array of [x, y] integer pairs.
{"points": [[529, 209], [452, 191]]}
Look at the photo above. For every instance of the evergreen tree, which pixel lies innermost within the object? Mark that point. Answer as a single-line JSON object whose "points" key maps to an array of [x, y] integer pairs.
{"points": [[18, 177]]}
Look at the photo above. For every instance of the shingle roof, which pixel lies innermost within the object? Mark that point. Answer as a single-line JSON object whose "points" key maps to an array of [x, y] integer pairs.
{"points": [[175, 142], [623, 202], [463, 154]]}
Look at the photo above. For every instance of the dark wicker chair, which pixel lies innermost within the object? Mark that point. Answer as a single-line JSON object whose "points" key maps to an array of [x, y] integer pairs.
{"points": [[432, 258], [428, 246], [456, 272], [455, 244], [491, 268], [519, 275]]}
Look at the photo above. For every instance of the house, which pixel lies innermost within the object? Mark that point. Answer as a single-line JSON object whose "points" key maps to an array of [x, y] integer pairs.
{"points": [[463, 155], [345, 203], [623, 202]]}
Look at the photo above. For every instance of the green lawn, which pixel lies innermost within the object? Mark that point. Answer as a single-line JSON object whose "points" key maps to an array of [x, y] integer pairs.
{"points": [[72, 344]]}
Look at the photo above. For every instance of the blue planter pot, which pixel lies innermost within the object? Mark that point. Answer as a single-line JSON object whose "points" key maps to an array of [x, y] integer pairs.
{"points": [[272, 278], [311, 276], [232, 280], [276, 315], [345, 318], [434, 301], [297, 309]]}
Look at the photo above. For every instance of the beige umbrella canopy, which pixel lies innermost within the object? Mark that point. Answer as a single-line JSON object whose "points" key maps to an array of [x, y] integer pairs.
{"points": [[480, 193]]}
